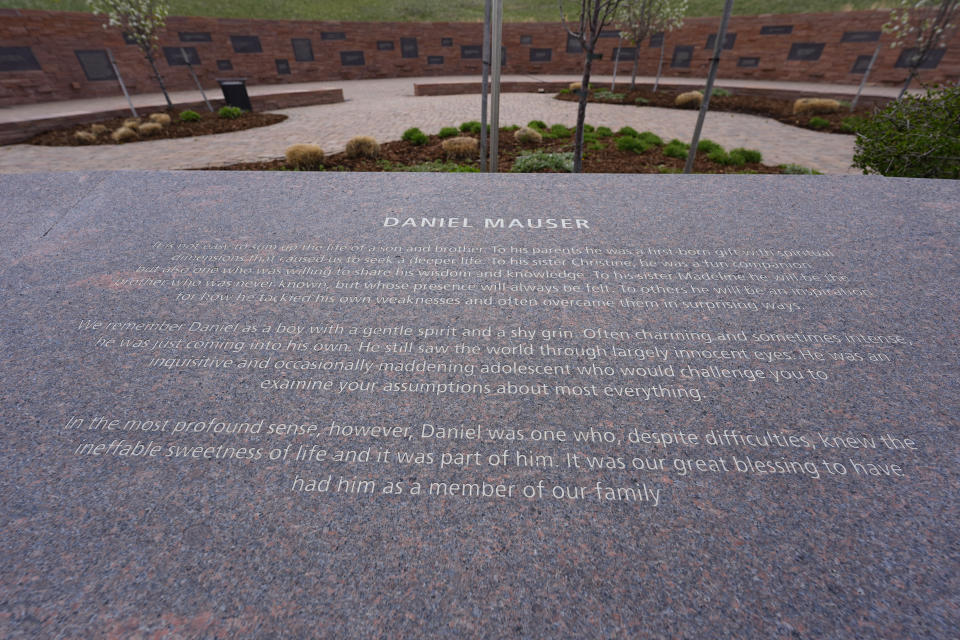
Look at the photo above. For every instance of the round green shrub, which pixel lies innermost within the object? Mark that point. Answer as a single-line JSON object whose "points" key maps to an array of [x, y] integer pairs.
{"points": [[676, 149], [588, 128], [559, 131], [628, 131], [448, 132], [537, 124], [472, 126], [641, 101], [706, 146], [189, 116], [816, 122], [630, 143], [604, 132], [651, 138], [230, 113], [749, 155], [720, 157], [915, 137], [414, 136]]}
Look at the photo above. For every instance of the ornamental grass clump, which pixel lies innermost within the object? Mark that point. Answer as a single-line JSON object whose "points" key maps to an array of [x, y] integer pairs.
{"points": [[123, 134], [97, 129], [689, 100], [132, 123], [363, 147], [415, 137], [527, 135], [160, 118], [461, 148], [308, 157], [150, 129], [84, 137], [813, 106]]}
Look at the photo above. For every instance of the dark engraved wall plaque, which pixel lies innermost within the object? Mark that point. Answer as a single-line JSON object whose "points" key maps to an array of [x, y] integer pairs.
{"points": [[283, 66], [540, 55], [728, 41], [195, 36], [748, 62], [526, 39], [624, 53], [471, 51], [446, 42], [610, 34], [224, 65], [682, 55], [302, 49], [776, 30], [434, 59], [352, 58], [573, 45], [860, 36], [246, 44], [333, 35], [129, 39], [408, 48], [861, 64], [384, 45], [18, 59], [174, 56], [930, 61], [807, 51], [96, 64], [656, 40]]}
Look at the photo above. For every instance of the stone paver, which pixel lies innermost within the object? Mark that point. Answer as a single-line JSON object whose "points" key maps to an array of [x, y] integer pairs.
{"points": [[385, 108]]}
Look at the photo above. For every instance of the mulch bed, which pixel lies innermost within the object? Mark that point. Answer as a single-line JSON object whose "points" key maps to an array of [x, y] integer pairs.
{"points": [[777, 108], [208, 124], [609, 159]]}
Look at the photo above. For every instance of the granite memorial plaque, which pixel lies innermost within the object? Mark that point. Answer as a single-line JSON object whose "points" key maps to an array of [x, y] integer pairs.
{"points": [[540, 55], [729, 40], [929, 61], [446, 42], [682, 55], [175, 58], [748, 61], [776, 30], [333, 35], [434, 59], [408, 48], [352, 58], [384, 45], [224, 65], [526, 39], [302, 49], [471, 52], [283, 66], [246, 44], [656, 40], [860, 36], [252, 405], [95, 64], [195, 36], [807, 51], [18, 59]]}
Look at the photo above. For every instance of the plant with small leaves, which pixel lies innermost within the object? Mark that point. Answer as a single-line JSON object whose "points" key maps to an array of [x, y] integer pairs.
{"points": [[630, 143], [816, 122], [189, 116], [472, 126], [543, 161], [749, 155], [229, 113], [415, 137], [604, 132], [448, 132], [676, 149]]}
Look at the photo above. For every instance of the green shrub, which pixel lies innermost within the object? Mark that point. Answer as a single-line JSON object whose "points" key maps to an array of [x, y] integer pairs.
{"points": [[189, 116], [604, 132], [629, 143], [796, 169], [628, 131], [720, 93], [230, 113], [541, 161], [720, 156], [605, 94], [676, 149], [749, 155], [512, 128], [915, 137], [662, 168], [588, 128], [737, 157], [448, 132], [641, 101], [816, 122], [850, 124], [414, 136], [706, 146], [565, 92], [472, 126], [537, 124], [651, 138], [559, 131], [436, 166]]}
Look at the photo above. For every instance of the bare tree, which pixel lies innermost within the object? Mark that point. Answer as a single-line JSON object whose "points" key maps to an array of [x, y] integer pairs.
{"points": [[922, 25], [142, 21], [638, 19], [593, 16]]}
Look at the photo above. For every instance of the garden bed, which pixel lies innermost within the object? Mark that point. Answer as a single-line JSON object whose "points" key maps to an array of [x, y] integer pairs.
{"points": [[601, 156], [207, 124], [780, 109]]}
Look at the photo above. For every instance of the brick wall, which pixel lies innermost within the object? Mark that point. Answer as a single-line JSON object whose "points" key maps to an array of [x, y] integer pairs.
{"points": [[39, 59]]}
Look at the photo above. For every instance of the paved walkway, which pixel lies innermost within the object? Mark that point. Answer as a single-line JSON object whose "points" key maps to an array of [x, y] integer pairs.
{"points": [[385, 108]]}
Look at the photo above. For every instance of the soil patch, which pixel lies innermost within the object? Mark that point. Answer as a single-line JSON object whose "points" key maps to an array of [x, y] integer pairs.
{"points": [[607, 158], [777, 108], [208, 124]]}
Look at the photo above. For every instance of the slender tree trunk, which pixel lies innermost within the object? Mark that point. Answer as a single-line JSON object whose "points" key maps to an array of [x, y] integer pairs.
{"points": [[656, 83], [156, 72], [633, 77], [582, 113], [906, 84]]}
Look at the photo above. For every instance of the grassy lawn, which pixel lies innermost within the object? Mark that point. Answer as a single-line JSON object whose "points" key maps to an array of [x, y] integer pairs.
{"points": [[433, 10]]}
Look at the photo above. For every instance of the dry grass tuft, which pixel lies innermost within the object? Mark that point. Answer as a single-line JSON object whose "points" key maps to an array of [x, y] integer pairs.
{"points": [[526, 135], [304, 156], [160, 118], [813, 106], [689, 100], [461, 148], [124, 134], [363, 147]]}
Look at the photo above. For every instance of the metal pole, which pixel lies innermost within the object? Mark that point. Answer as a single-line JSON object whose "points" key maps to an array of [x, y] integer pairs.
{"points": [[495, 40], [485, 86], [718, 47], [186, 59], [863, 81], [656, 83], [116, 72], [616, 63]]}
